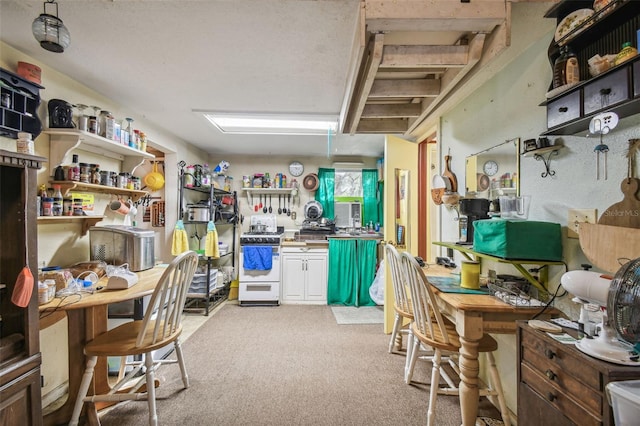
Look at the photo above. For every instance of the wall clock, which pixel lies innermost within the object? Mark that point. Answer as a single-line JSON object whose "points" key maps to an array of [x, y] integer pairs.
{"points": [[296, 168], [490, 168]]}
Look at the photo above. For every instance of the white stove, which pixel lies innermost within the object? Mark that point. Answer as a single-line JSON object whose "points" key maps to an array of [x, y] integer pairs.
{"points": [[259, 273]]}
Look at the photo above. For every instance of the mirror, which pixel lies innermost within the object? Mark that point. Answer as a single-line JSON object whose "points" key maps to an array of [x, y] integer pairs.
{"points": [[494, 171], [402, 207]]}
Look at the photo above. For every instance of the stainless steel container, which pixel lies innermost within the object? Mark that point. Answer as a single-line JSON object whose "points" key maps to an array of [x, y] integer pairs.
{"points": [[118, 244]]}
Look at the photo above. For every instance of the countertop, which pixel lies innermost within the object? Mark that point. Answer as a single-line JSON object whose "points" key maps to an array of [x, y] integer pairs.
{"points": [[323, 240]]}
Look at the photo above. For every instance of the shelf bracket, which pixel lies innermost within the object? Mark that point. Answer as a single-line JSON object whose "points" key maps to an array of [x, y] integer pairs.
{"points": [[547, 163]]}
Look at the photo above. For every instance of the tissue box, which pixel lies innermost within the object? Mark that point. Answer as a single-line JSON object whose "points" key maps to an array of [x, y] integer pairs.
{"points": [[518, 239]]}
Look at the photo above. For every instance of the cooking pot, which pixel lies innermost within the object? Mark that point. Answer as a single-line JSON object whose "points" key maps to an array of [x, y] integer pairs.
{"points": [[154, 180], [197, 213], [258, 228]]}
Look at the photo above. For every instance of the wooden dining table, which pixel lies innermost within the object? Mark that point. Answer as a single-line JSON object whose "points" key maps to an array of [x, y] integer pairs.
{"points": [[474, 315], [87, 318]]}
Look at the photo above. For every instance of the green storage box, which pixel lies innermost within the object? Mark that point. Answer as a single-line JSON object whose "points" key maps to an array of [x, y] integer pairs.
{"points": [[518, 239]]}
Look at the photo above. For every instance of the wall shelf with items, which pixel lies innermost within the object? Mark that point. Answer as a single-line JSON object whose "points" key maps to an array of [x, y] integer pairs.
{"points": [[569, 112], [540, 283], [19, 106], [85, 221], [539, 155], [63, 141], [252, 192], [66, 186]]}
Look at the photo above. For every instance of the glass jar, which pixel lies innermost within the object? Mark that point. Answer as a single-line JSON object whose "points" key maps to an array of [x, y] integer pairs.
{"points": [[93, 124], [6, 100], [85, 173], [67, 207], [105, 117], [47, 206], [95, 174], [77, 207], [137, 185], [123, 180], [105, 178]]}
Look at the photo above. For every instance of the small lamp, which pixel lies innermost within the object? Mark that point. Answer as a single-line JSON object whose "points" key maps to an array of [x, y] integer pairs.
{"points": [[50, 31]]}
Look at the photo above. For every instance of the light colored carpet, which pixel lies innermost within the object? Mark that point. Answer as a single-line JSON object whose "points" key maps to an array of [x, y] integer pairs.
{"points": [[358, 315]]}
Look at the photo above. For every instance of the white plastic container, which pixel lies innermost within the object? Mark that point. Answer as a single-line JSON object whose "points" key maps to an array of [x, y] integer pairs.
{"points": [[624, 398]]}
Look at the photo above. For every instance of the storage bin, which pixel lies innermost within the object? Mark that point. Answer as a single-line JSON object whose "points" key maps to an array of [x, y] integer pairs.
{"points": [[518, 239], [624, 398], [199, 282]]}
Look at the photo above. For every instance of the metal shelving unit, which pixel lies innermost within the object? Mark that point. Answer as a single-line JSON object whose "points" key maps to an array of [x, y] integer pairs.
{"points": [[211, 296]]}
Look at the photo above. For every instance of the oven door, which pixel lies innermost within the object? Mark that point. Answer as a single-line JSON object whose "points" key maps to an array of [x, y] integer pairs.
{"points": [[252, 275]]}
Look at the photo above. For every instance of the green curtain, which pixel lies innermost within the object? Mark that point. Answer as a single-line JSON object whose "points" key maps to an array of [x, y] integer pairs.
{"points": [[324, 193], [367, 256], [343, 272], [370, 195], [352, 269]]}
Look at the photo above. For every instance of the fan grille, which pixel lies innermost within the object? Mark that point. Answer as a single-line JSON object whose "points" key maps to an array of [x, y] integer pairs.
{"points": [[623, 302]]}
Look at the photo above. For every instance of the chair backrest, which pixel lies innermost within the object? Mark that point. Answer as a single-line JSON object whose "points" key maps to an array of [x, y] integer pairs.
{"points": [[398, 278], [428, 320], [164, 312]]}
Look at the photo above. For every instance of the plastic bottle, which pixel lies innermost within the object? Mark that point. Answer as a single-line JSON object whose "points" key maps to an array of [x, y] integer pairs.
{"points": [[627, 52], [57, 201], [566, 69], [74, 169]]}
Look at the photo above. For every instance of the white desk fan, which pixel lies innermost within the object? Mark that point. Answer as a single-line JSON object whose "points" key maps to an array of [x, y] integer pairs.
{"points": [[619, 338]]}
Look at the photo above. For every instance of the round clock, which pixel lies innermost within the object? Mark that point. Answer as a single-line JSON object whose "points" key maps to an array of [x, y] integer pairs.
{"points": [[296, 168], [490, 168]]}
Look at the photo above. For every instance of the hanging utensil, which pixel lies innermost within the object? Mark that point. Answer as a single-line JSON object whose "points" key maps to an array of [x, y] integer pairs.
{"points": [[270, 209], [284, 205], [289, 205], [279, 208], [255, 208], [264, 208], [260, 205], [601, 148]]}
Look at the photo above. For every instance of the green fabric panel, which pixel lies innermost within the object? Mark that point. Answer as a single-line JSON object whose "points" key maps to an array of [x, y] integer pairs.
{"points": [[325, 191], [343, 272], [518, 239], [367, 267], [369, 192]]}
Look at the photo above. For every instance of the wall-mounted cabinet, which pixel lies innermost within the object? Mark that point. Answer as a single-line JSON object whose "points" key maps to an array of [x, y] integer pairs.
{"points": [[19, 107], [63, 141], [616, 89]]}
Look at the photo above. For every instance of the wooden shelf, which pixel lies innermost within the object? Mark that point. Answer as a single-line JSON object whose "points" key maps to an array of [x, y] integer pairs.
{"points": [[67, 186], [541, 151], [86, 221], [63, 141]]}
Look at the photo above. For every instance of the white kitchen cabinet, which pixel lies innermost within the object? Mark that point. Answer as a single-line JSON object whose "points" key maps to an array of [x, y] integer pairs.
{"points": [[304, 275]]}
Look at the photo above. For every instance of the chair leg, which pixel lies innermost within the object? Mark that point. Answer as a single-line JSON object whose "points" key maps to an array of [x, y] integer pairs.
{"points": [[183, 367], [395, 332], [151, 389], [82, 391], [123, 367], [412, 357], [433, 392], [497, 385]]}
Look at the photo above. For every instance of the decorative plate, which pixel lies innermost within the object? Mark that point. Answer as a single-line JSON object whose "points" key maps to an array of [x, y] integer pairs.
{"points": [[571, 21]]}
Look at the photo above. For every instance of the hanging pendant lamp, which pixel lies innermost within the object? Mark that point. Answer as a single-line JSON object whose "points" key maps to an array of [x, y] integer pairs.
{"points": [[50, 31]]}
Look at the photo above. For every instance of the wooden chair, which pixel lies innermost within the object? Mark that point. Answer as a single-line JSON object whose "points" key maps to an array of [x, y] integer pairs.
{"points": [[430, 329], [402, 304], [160, 326]]}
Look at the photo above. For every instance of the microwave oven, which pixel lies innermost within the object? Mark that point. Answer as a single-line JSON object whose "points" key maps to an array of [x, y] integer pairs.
{"points": [[348, 214]]}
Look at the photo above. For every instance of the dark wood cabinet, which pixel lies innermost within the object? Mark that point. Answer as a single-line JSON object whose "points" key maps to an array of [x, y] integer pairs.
{"points": [[20, 359], [19, 106], [616, 89], [559, 385]]}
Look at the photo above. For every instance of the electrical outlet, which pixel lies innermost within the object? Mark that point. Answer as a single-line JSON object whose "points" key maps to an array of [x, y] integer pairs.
{"points": [[577, 216]]}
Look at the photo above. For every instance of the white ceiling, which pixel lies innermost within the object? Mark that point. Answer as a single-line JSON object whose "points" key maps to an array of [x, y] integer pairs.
{"points": [[165, 58]]}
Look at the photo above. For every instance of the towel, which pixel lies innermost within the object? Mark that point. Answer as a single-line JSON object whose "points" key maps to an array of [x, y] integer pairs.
{"points": [[211, 248], [180, 242], [257, 258]]}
